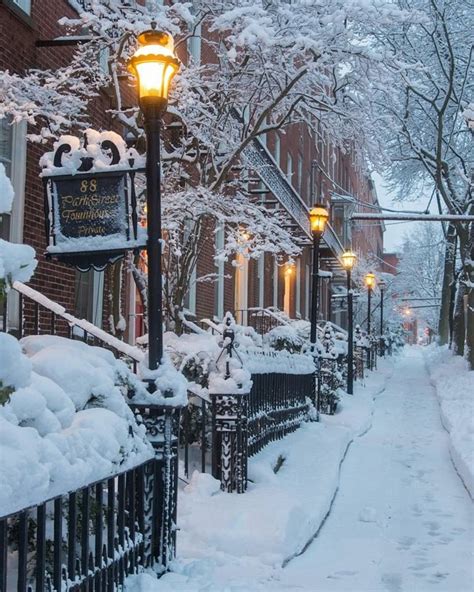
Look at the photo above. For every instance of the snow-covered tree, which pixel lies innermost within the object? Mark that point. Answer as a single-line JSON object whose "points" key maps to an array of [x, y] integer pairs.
{"points": [[420, 273], [268, 65], [426, 121]]}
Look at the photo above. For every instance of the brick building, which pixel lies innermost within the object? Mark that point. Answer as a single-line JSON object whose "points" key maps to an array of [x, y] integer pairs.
{"points": [[289, 172]]}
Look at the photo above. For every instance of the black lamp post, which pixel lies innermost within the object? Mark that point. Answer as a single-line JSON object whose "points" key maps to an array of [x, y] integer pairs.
{"points": [[318, 217], [154, 65], [348, 260], [370, 283], [382, 285]]}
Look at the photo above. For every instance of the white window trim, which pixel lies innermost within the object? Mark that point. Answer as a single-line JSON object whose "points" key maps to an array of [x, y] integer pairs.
{"points": [[219, 304], [261, 281], [17, 178], [276, 270]]}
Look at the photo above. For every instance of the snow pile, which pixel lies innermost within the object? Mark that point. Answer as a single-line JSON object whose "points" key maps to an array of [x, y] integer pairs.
{"points": [[454, 385], [204, 359], [171, 386], [17, 262], [64, 421], [96, 147], [199, 359]]}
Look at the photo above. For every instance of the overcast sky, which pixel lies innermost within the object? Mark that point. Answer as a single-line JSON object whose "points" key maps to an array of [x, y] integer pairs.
{"points": [[395, 231]]}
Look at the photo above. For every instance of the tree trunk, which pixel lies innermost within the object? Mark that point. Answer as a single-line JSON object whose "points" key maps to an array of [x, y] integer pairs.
{"points": [[469, 268], [459, 322], [448, 279]]}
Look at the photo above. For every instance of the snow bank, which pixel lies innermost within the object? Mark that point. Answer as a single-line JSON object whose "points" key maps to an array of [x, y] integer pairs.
{"points": [[64, 421], [454, 385]]}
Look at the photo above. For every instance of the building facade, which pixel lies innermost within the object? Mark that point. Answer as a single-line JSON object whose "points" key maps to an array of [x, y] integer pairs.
{"points": [[288, 172]]}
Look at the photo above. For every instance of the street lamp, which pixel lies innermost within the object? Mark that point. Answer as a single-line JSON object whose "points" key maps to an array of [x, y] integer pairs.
{"points": [[370, 283], [318, 217], [348, 260], [154, 66], [382, 285]]}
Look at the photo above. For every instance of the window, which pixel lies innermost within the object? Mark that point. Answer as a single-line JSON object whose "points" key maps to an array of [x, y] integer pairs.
{"points": [[5, 159], [194, 46], [261, 280], [300, 174], [276, 155], [298, 289], [275, 283], [89, 296], [25, 5]]}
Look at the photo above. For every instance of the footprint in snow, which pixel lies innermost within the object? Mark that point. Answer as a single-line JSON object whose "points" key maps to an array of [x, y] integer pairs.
{"points": [[368, 515]]}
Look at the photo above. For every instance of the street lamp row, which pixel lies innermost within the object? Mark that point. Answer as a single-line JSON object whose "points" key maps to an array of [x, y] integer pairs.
{"points": [[154, 64]]}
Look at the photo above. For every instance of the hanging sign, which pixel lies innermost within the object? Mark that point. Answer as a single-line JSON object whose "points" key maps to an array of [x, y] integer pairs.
{"points": [[90, 200]]}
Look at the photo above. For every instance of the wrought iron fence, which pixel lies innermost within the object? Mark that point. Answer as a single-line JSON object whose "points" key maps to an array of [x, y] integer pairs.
{"points": [[89, 539], [220, 435]]}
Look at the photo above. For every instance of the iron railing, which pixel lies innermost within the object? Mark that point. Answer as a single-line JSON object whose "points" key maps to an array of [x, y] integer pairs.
{"points": [[90, 539]]}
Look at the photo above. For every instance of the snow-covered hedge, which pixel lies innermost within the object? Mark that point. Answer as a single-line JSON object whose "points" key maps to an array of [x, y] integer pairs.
{"points": [[64, 421], [454, 385]]}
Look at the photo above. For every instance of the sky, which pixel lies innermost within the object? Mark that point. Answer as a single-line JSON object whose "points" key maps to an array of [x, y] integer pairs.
{"points": [[395, 231]]}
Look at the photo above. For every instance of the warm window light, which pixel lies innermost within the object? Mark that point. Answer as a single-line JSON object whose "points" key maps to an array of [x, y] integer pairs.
{"points": [[289, 269], [318, 217], [348, 259], [370, 280], [154, 64]]}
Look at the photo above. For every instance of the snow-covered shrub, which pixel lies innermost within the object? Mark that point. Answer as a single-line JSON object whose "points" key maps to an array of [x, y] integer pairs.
{"points": [[65, 421], [284, 338]]}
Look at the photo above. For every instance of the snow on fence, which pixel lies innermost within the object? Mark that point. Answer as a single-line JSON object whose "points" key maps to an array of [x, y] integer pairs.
{"points": [[234, 427], [88, 539]]}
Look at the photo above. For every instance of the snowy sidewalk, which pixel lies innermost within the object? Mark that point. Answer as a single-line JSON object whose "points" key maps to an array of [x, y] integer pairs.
{"points": [[402, 521]]}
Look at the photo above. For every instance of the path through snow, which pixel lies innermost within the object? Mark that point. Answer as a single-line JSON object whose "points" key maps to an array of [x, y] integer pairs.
{"points": [[402, 520]]}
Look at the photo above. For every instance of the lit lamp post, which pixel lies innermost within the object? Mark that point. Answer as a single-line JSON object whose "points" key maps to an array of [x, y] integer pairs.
{"points": [[348, 259], [154, 66], [318, 217], [382, 285], [370, 283]]}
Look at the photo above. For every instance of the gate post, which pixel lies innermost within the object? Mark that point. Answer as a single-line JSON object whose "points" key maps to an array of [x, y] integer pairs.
{"points": [[230, 441], [161, 484]]}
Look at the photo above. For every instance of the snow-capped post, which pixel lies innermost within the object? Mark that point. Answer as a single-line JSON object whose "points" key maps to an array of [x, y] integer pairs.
{"points": [[318, 217], [370, 283], [230, 421], [154, 66], [348, 260]]}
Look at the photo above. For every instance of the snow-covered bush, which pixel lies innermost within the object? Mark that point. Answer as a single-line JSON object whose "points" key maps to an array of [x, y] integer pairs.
{"points": [[284, 338], [64, 421]]}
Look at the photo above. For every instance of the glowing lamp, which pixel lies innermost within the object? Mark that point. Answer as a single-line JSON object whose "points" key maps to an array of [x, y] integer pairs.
{"points": [[154, 65], [318, 217], [348, 259], [370, 280]]}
